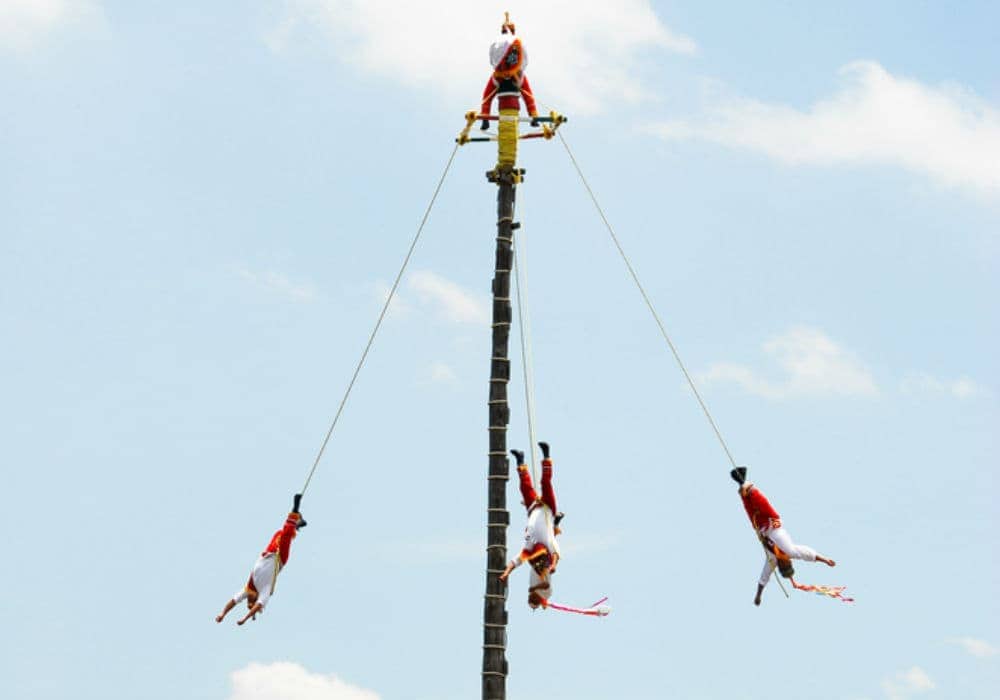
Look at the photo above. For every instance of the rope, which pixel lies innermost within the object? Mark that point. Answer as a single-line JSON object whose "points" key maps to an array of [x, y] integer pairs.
{"points": [[381, 317], [663, 330], [524, 326], [649, 304]]}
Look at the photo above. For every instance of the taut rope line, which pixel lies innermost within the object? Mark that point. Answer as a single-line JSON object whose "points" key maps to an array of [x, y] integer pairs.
{"points": [[521, 292], [649, 304], [381, 317], [663, 330], [524, 328]]}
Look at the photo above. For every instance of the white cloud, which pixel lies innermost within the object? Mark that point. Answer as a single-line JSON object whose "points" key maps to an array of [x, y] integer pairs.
{"points": [[943, 132], [440, 373], [582, 55], [961, 388], [979, 648], [907, 683], [449, 300], [813, 364], [279, 284], [284, 680], [23, 23], [426, 291]]}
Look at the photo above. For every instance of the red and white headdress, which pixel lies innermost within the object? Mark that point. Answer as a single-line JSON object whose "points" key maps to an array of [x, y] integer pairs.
{"points": [[507, 54]]}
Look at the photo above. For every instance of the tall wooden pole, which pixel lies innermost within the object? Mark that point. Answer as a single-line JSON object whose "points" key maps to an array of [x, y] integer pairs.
{"points": [[497, 516]]}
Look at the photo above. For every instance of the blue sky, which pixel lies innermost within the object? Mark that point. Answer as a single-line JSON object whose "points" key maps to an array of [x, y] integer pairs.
{"points": [[201, 209]]}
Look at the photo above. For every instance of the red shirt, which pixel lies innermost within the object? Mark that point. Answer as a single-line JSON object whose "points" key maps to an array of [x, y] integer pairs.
{"points": [[509, 92], [281, 542], [758, 508]]}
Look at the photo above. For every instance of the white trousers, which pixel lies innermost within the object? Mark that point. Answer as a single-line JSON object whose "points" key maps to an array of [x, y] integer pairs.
{"points": [[540, 530], [263, 578], [783, 540]]}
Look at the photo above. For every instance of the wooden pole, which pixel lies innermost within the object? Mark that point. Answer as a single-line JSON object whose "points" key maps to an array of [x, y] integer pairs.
{"points": [[497, 516]]}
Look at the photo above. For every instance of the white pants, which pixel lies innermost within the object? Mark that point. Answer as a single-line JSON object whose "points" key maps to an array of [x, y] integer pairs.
{"points": [[540, 530], [263, 580], [783, 541]]}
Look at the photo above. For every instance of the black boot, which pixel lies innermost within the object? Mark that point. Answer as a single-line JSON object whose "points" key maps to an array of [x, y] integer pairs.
{"points": [[739, 475], [296, 502], [545, 449], [558, 518], [519, 456]]}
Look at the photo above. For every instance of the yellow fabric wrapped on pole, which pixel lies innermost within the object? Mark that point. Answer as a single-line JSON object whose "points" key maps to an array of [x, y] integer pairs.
{"points": [[507, 141]]}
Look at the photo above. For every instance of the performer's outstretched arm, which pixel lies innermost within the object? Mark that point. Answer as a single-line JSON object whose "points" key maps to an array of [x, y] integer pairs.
{"points": [[510, 567]]}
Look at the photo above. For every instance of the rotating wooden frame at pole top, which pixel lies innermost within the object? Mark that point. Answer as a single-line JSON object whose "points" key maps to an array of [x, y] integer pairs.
{"points": [[549, 126]]}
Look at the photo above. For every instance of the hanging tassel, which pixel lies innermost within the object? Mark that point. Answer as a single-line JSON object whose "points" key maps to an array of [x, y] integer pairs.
{"points": [[829, 591]]}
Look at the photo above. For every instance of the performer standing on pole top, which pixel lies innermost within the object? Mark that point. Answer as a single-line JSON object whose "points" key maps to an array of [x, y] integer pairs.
{"points": [[264, 576], [508, 84], [541, 549], [777, 542]]}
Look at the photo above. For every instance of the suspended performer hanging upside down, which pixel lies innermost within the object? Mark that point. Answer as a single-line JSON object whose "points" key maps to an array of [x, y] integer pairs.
{"points": [[508, 84], [541, 550], [778, 544], [272, 560]]}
